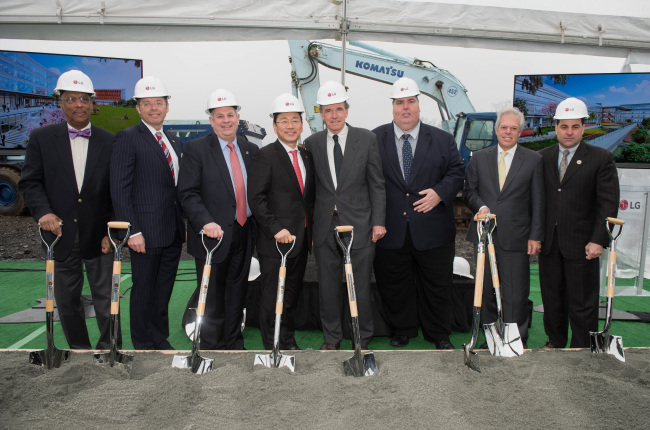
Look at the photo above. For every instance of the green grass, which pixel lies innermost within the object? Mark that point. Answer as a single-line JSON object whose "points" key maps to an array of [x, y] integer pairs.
{"points": [[110, 118], [23, 282]]}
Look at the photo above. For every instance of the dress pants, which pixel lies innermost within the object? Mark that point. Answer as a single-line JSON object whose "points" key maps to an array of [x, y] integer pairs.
{"points": [[415, 288], [68, 285], [514, 279], [226, 296], [154, 273], [270, 266], [570, 290], [332, 290]]}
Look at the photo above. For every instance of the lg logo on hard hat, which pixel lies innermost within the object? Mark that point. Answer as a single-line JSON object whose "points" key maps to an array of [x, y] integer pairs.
{"points": [[403, 89], [75, 82], [568, 109], [221, 98], [150, 88], [331, 94]]}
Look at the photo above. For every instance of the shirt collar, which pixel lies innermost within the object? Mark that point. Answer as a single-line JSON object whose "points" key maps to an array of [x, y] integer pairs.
{"points": [[342, 134], [510, 151], [287, 147], [413, 133], [153, 130], [571, 150], [72, 128]]}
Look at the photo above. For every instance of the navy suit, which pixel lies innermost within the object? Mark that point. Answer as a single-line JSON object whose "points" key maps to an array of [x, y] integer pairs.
{"points": [[207, 195], [576, 209], [144, 194], [519, 208], [49, 185], [414, 261], [277, 203]]}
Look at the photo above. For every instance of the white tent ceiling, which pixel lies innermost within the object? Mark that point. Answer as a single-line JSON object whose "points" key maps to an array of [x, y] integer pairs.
{"points": [[379, 20]]}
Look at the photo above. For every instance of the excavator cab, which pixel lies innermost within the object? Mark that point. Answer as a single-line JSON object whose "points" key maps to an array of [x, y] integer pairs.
{"points": [[473, 132]]}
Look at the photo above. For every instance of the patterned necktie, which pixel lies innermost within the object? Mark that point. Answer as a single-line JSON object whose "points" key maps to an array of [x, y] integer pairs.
{"points": [[407, 156], [240, 188], [564, 163], [168, 156], [296, 168], [502, 169], [74, 133], [338, 156]]}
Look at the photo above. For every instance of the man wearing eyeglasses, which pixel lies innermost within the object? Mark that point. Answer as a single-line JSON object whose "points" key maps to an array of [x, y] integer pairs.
{"points": [[281, 196], [65, 179], [144, 174]]}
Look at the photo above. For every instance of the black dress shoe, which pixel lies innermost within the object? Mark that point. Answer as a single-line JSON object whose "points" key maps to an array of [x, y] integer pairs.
{"points": [[293, 346], [330, 346], [484, 345], [399, 340], [444, 344]]}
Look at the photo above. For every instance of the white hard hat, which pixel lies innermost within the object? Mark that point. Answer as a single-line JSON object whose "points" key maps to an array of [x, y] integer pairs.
{"points": [[220, 98], [74, 80], [461, 267], [331, 93], [404, 87], [150, 86], [571, 108], [286, 103]]}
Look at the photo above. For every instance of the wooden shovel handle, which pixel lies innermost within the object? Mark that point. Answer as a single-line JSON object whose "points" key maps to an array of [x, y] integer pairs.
{"points": [[478, 284], [615, 221], [119, 224], [344, 228], [482, 216]]}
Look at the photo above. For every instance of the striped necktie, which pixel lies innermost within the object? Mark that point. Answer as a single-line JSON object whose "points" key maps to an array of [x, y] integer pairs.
{"points": [[168, 156]]}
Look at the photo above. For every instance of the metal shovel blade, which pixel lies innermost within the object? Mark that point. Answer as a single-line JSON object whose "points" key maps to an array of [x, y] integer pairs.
{"points": [[607, 343], [507, 345], [113, 357], [52, 357], [471, 358], [266, 360], [195, 363], [361, 365]]}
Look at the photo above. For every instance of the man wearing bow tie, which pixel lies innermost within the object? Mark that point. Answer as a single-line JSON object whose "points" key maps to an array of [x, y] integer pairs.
{"points": [[144, 173], [65, 179], [212, 189]]}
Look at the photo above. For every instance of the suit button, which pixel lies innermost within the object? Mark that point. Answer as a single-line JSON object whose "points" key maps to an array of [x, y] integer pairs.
{"points": [[498, 201], [79, 201], [559, 189], [75, 220], [404, 214], [407, 194]]}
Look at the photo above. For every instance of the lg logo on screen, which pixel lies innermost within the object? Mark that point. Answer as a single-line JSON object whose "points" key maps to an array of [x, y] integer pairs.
{"points": [[624, 205]]}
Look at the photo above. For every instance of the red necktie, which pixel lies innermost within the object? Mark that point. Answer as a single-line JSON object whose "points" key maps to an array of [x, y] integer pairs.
{"points": [[168, 156], [296, 168], [240, 188]]}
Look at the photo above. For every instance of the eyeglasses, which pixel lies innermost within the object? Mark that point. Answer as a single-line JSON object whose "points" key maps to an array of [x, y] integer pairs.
{"points": [[285, 122], [148, 105], [73, 100]]}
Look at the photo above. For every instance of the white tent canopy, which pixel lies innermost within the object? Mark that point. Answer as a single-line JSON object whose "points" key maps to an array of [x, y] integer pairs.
{"points": [[473, 26]]}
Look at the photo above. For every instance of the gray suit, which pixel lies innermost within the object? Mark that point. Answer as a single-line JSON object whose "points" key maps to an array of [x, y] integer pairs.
{"points": [[519, 208], [360, 201]]}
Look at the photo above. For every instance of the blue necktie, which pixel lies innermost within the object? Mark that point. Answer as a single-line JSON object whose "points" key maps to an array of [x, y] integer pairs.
{"points": [[407, 157]]}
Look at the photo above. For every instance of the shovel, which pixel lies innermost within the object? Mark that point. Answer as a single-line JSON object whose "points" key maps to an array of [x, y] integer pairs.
{"points": [[51, 356], [503, 339], [113, 355], [275, 359], [194, 361], [471, 358], [360, 364], [602, 341]]}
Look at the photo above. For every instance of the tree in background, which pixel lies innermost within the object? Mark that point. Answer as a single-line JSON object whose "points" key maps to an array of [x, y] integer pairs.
{"points": [[531, 83], [521, 105]]}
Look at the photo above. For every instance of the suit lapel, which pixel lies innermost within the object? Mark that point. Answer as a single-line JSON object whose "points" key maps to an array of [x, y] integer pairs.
{"points": [[578, 158], [151, 141], [421, 148], [390, 148], [308, 171], [287, 163], [220, 161], [493, 167], [177, 145], [351, 147], [320, 150], [553, 164], [95, 148], [63, 149], [516, 164]]}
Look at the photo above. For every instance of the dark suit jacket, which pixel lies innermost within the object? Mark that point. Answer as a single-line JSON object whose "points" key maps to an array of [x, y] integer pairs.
{"points": [[206, 191], [436, 165], [49, 185], [519, 207], [143, 188], [275, 198], [359, 197], [588, 194]]}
